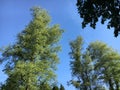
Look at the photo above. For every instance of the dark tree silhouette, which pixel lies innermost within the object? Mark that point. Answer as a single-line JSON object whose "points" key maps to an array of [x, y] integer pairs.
{"points": [[55, 88], [62, 87], [92, 10]]}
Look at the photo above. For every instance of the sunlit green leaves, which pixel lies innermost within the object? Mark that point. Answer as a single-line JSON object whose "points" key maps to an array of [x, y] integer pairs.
{"points": [[98, 64], [33, 58]]}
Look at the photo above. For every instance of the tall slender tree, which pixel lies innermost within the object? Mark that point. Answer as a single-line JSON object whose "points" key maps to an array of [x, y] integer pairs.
{"points": [[31, 61], [81, 65]]}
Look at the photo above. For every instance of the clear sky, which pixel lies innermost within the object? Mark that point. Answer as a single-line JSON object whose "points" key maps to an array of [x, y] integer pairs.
{"points": [[15, 15]]}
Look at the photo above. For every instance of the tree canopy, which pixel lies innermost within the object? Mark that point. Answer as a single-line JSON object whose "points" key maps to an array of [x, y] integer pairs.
{"points": [[94, 67], [106, 10], [31, 61]]}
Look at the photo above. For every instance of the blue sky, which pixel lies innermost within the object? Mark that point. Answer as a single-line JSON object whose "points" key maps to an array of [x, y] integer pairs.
{"points": [[15, 15]]}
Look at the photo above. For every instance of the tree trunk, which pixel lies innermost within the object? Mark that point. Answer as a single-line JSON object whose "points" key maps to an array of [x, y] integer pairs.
{"points": [[117, 85], [110, 85]]}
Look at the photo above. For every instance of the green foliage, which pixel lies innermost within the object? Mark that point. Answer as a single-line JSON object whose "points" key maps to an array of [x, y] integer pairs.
{"points": [[45, 86], [98, 64], [81, 65], [76, 47], [107, 62], [92, 10], [33, 58]]}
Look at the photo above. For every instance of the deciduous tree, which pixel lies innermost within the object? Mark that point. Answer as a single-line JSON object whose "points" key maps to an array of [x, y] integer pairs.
{"points": [[80, 65], [32, 59], [95, 66], [106, 10]]}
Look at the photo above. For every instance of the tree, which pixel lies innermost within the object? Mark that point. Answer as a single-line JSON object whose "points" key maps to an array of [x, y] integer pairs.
{"points": [[45, 86], [92, 10], [106, 64], [55, 88], [81, 65], [31, 61], [62, 87], [98, 64]]}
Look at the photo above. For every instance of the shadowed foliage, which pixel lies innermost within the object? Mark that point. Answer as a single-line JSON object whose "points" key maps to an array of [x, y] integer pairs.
{"points": [[92, 10]]}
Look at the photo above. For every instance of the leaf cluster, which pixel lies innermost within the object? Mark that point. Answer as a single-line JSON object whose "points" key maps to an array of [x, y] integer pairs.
{"points": [[92, 10]]}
